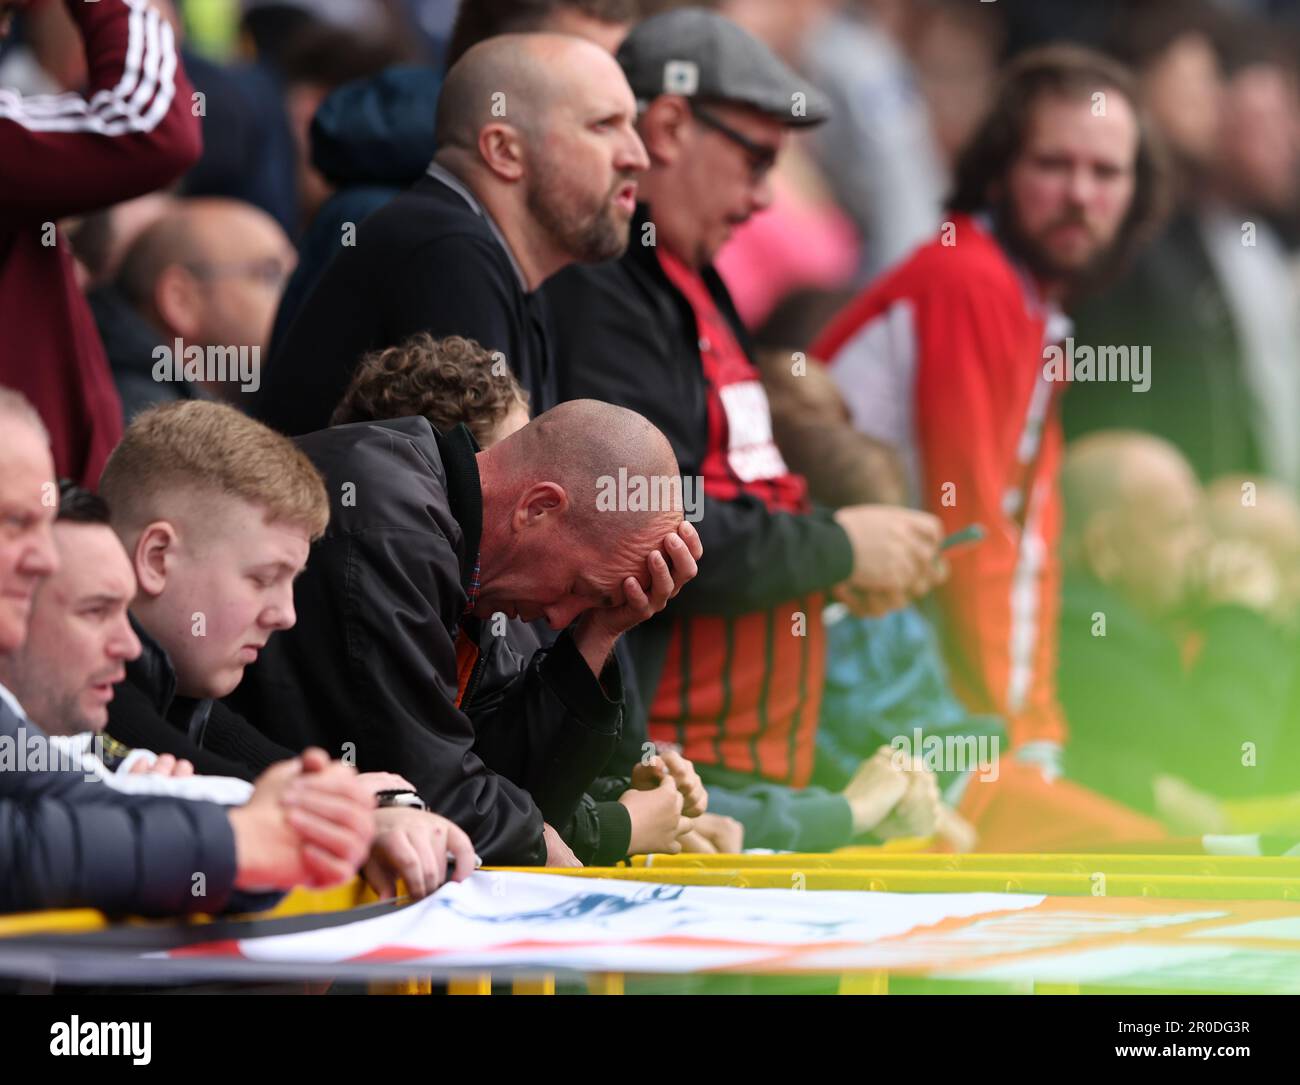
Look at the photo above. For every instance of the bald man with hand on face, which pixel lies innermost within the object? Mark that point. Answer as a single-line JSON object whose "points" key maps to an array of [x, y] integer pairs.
{"points": [[535, 170], [429, 540]]}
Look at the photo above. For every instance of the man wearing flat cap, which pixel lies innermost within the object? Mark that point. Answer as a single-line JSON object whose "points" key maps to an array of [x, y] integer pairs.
{"points": [[734, 668]]}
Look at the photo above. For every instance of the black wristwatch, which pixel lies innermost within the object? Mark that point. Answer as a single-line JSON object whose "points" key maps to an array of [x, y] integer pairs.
{"points": [[399, 797]]}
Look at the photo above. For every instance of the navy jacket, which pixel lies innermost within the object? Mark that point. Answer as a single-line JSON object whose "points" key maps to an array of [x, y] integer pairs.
{"points": [[66, 842]]}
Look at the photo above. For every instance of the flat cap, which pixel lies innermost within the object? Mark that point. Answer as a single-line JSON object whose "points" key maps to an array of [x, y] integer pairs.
{"points": [[701, 54]]}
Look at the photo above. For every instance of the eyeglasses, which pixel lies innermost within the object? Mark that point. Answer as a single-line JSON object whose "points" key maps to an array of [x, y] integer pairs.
{"points": [[762, 157], [269, 272]]}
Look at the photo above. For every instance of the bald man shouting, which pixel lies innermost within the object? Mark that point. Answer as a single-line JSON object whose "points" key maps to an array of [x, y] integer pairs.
{"points": [[429, 541], [534, 170]]}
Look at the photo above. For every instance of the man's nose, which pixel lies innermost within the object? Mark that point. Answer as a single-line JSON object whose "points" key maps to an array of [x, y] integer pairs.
{"points": [[561, 615], [1082, 187], [42, 557], [281, 615], [633, 157], [125, 644]]}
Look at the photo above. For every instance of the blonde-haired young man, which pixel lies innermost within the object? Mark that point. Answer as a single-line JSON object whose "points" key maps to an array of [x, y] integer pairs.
{"points": [[217, 514]]}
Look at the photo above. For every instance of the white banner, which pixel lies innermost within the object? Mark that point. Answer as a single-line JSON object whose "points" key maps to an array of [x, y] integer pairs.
{"points": [[600, 924]]}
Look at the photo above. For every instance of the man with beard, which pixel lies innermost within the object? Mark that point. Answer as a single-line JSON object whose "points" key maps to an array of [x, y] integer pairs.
{"points": [[534, 171], [734, 671], [947, 359]]}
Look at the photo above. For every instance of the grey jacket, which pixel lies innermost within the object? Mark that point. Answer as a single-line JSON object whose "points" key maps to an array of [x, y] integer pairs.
{"points": [[66, 841]]}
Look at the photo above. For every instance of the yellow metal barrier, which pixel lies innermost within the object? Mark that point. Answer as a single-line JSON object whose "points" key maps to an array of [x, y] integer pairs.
{"points": [[1198, 865], [1187, 877], [888, 880]]}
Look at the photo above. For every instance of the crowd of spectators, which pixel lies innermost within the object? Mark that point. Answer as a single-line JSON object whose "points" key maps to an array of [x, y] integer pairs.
{"points": [[549, 431]]}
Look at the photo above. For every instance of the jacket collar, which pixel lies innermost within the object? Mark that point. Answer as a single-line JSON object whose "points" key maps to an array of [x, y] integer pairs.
{"points": [[444, 176], [152, 672], [458, 450], [154, 675], [645, 258]]}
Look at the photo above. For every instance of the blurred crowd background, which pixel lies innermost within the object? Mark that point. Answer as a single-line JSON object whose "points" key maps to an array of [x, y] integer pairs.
{"points": [[309, 109], [909, 79]]}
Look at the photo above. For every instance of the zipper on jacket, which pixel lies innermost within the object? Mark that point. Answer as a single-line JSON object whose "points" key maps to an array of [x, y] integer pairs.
{"points": [[475, 677]]}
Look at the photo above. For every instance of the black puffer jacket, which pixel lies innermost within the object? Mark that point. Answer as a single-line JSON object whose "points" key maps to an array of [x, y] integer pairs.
{"points": [[370, 669], [66, 841]]}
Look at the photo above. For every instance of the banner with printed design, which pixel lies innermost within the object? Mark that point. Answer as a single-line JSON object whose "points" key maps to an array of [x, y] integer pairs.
{"points": [[541, 921]]}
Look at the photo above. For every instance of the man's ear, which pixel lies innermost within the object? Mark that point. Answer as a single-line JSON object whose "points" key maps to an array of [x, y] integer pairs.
{"points": [[176, 298], [154, 553], [663, 128], [540, 501], [501, 147]]}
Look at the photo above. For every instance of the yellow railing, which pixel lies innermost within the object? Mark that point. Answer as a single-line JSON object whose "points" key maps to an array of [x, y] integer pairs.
{"points": [[895, 869]]}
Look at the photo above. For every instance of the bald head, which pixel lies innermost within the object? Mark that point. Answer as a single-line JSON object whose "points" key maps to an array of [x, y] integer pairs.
{"points": [[1257, 511], [205, 232], [574, 504], [16, 410], [518, 79], [541, 128], [586, 447], [210, 272], [1119, 471], [1134, 516]]}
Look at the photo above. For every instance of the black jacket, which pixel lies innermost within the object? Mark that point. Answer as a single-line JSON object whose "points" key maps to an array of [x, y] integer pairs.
{"points": [[370, 669], [424, 262], [624, 334], [600, 830], [129, 342], [1199, 399], [66, 841], [146, 714]]}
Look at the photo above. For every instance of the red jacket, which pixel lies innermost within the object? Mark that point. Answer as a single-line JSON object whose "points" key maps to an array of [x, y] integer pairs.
{"points": [[943, 359], [64, 155]]}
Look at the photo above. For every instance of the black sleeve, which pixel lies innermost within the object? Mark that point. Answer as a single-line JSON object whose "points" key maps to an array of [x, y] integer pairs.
{"points": [[600, 833], [374, 296], [609, 788], [551, 727], [763, 558], [400, 685]]}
